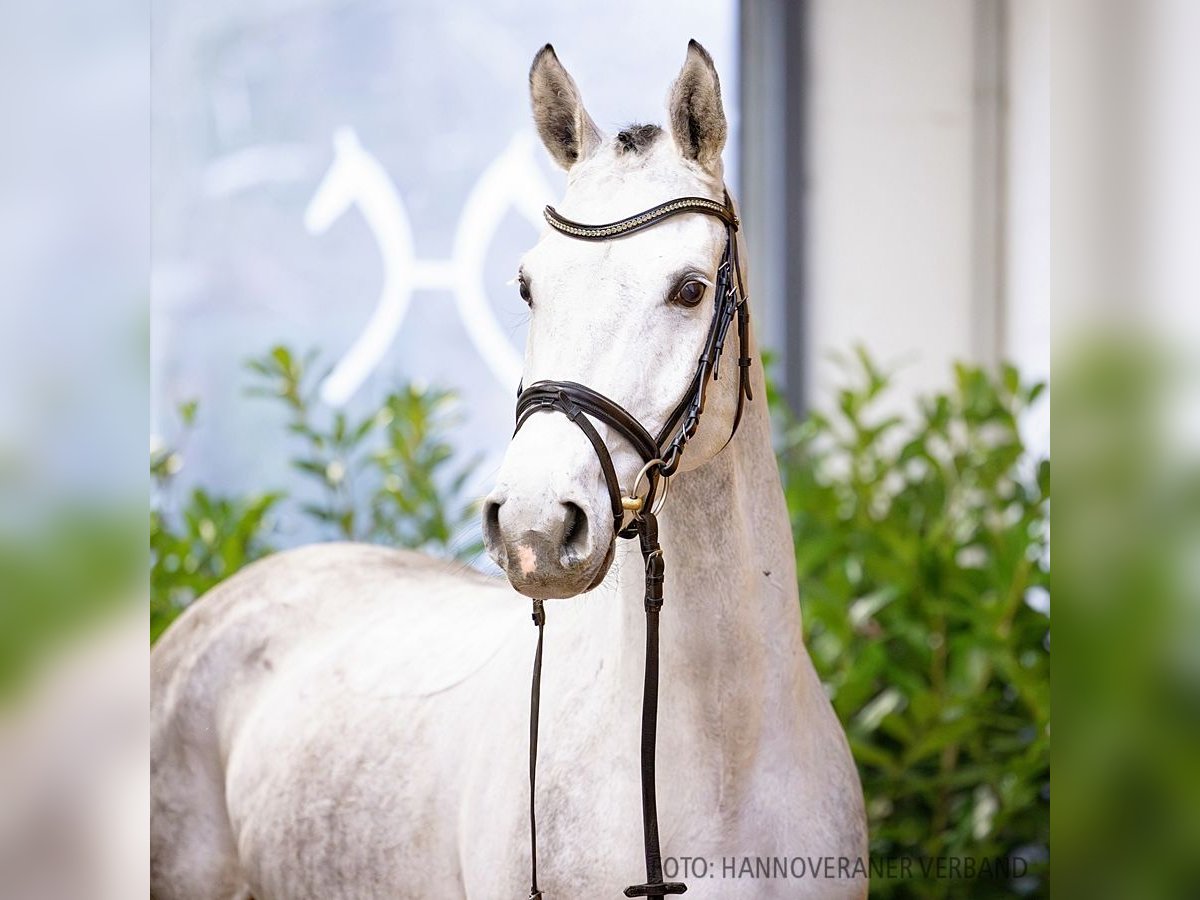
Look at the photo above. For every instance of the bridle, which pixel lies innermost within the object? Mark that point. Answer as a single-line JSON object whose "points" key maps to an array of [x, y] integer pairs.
{"points": [[661, 456]]}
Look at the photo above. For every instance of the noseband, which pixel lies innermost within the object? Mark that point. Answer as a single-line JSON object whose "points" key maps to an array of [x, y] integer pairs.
{"points": [[634, 514]]}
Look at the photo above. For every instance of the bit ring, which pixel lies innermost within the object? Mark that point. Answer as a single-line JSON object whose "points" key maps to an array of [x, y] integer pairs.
{"points": [[632, 502]]}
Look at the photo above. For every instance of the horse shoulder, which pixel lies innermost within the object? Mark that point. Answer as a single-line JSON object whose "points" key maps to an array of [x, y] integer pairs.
{"points": [[376, 614]]}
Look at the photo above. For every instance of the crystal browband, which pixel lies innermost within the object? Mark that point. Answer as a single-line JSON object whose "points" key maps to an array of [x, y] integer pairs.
{"points": [[642, 220]]}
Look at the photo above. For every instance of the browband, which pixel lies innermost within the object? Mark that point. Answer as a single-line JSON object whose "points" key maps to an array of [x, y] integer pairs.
{"points": [[642, 220]]}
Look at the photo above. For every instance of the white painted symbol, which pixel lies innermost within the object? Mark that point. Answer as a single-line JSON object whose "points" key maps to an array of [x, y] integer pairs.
{"points": [[356, 178]]}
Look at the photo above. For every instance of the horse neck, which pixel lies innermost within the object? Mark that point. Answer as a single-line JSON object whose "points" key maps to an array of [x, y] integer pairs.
{"points": [[731, 640]]}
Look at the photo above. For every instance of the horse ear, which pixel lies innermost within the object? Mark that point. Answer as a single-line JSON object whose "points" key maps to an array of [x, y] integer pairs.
{"points": [[697, 116], [563, 124]]}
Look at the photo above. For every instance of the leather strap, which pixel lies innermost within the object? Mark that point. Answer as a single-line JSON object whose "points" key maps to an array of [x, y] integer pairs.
{"points": [[577, 402], [535, 699], [561, 394], [653, 886], [730, 303]]}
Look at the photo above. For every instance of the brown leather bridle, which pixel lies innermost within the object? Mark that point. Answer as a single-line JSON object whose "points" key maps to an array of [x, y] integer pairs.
{"points": [[660, 456]]}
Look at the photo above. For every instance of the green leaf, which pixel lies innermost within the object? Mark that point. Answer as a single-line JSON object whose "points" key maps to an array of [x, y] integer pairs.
{"points": [[312, 466], [187, 412]]}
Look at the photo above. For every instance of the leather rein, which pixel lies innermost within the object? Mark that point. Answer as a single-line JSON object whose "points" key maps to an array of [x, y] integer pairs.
{"points": [[634, 514]]}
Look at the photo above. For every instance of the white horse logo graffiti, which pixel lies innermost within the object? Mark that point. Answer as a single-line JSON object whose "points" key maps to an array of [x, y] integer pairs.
{"points": [[356, 178]]}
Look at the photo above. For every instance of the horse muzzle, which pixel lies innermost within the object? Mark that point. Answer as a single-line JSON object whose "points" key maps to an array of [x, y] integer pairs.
{"points": [[550, 548]]}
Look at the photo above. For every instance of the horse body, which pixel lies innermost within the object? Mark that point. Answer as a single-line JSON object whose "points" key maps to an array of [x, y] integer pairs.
{"points": [[344, 721]]}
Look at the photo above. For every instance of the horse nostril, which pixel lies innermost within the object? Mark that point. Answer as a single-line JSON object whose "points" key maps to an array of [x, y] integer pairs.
{"points": [[575, 532], [491, 525]]}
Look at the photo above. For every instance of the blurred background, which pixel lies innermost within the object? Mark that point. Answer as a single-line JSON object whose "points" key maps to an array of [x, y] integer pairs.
{"points": [[283, 233], [359, 178]]}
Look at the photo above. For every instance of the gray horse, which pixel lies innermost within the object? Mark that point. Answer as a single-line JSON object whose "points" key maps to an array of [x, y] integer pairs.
{"points": [[345, 721]]}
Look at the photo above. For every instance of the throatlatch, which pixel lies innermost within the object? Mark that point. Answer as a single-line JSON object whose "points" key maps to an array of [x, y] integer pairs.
{"points": [[661, 457]]}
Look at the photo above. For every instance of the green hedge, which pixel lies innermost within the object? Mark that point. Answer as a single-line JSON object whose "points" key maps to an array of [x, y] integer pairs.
{"points": [[920, 538]]}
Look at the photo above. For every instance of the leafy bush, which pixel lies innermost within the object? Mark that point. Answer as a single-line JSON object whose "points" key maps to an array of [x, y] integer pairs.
{"points": [[386, 478], [919, 542], [202, 543]]}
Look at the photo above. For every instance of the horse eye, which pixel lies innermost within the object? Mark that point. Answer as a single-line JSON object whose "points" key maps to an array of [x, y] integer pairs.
{"points": [[523, 287], [690, 293]]}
